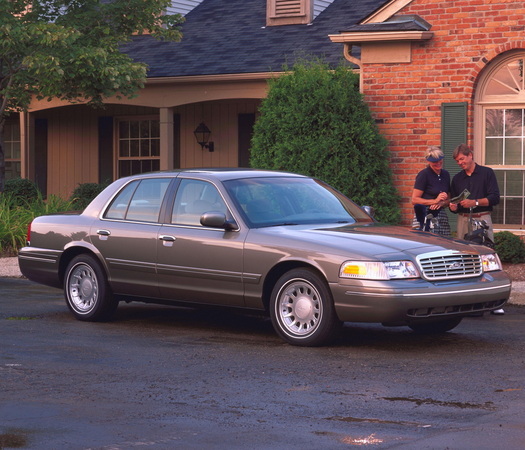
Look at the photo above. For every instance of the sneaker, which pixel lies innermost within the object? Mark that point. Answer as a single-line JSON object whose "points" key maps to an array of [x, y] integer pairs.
{"points": [[498, 312]]}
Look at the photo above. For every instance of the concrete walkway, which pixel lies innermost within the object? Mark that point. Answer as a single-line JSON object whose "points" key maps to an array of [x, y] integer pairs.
{"points": [[9, 268]]}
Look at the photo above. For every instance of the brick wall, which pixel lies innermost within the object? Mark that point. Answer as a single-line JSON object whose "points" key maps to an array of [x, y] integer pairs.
{"points": [[406, 98]]}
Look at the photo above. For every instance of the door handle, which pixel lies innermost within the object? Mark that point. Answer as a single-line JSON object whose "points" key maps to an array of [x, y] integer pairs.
{"points": [[103, 232], [167, 238]]}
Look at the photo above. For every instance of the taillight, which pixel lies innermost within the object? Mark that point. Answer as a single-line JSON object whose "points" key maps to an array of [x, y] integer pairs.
{"points": [[28, 237]]}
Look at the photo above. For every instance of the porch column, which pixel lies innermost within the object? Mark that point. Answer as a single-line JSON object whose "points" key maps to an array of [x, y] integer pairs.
{"points": [[166, 138]]}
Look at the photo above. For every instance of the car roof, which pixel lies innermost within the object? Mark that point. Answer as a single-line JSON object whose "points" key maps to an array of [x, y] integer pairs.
{"points": [[221, 173]]}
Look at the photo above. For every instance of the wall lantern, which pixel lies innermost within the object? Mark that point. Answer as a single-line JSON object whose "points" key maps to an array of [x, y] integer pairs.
{"points": [[202, 134]]}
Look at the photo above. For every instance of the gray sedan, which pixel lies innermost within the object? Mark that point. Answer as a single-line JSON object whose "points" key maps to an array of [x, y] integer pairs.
{"points": [[281, 243]]}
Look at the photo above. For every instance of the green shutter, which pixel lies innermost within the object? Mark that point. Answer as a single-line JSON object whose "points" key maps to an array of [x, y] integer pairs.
{"points": [[453, 133]]}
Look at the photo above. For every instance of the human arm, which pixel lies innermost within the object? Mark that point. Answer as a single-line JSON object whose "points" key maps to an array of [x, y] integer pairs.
{"points": [[434, 203], [485, 195]]}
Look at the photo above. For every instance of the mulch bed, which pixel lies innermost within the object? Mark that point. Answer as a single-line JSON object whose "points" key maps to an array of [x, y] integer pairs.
{"points": [[516, 271]]}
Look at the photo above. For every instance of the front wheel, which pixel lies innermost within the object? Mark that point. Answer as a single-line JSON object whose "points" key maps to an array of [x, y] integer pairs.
{"points": [[302, 309], [87, 292], [439, 327]]}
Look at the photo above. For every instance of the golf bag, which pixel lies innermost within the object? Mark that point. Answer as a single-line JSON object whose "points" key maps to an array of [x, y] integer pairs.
{"points": [[426, 217], [477, 232]]}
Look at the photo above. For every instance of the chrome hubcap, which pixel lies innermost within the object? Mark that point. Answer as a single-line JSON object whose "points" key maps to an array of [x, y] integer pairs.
{"points": [[299, 308], [83, 288]]}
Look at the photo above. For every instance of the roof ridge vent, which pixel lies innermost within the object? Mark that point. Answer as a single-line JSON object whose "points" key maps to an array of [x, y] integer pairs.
{"points": [[288, 12]]}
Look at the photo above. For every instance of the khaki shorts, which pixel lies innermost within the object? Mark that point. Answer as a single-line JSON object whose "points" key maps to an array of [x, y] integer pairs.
{"points": [[463, 224]]}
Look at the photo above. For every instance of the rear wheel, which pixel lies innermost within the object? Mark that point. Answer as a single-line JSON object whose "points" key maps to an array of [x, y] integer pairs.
{"points": [[87, 292], [441, 326], [302, 309]]}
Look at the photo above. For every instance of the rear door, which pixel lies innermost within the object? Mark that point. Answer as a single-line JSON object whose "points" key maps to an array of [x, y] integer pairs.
{"points": [[126, 236]]}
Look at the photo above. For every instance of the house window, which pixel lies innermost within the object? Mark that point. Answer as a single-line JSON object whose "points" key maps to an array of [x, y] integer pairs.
{"points": [[502, 102], [138, 146], [12, 153]]}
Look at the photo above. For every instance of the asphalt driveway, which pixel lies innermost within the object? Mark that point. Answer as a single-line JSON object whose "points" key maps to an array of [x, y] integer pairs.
{"points": [[163, 378]]}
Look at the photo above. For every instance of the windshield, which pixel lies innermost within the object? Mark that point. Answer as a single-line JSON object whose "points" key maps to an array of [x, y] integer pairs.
{"points": [[292, 201]]}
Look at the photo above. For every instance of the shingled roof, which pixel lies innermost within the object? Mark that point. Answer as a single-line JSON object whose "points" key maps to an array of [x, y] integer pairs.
{"points": [[231, 37]]}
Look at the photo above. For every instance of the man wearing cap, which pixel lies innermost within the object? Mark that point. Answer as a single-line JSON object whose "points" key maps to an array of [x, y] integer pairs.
{"points": [[431, 190], [481, 183]]}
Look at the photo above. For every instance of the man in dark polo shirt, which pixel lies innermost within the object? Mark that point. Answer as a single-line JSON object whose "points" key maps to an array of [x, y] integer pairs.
{"points": [[481, 182]]}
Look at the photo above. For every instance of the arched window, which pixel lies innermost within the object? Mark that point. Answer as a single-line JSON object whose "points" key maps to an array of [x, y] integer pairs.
{"points": [[500, 125]]}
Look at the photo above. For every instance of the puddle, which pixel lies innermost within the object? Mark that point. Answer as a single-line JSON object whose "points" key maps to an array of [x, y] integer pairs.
{"points": [[13, 439], [354, 440], [429, 401], [372, 420]]}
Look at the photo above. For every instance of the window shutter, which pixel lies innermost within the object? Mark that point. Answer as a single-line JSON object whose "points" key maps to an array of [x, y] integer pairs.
{"points": [[453, 133], [176, 141], [105, 149], [246, 123]]}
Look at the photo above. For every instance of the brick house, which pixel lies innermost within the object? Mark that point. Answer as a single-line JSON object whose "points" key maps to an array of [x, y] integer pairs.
{"points": [[433, 73]]}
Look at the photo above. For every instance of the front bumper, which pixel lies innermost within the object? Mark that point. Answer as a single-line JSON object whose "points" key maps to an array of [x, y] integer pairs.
{"points": [[409, 301]]}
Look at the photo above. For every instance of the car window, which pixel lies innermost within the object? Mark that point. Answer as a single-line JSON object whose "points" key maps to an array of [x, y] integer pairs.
{"points": [[194, 198], [139, 200]]}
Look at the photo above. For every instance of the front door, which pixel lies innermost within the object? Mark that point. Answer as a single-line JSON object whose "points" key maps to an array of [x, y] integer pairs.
{"points": [[196, 263]]}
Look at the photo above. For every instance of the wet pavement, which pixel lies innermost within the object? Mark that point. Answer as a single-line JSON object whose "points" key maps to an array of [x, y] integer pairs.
{"points": [[163, 378]]}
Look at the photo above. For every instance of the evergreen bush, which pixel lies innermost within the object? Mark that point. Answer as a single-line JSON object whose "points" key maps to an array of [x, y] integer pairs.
{"points": [[84, 193], [21, 191], [509, 247], [314, 122]]}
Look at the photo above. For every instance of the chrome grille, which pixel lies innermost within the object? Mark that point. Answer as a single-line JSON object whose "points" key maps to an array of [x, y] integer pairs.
{"points": [[449, 265]]}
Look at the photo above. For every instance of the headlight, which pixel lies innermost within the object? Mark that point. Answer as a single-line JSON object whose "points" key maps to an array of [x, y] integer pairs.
{"points": [[376, 270], [491, 262]]}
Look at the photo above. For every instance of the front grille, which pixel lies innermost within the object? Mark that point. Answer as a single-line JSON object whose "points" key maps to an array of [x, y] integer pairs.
{"points": [[433, 311], [449, 265]]}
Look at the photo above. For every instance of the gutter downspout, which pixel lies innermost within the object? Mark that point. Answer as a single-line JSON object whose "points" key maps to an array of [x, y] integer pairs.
{"points": [[347, 49]]}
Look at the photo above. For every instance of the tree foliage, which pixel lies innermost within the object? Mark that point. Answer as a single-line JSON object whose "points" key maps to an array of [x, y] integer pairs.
{"points": [[314, 121], [70, 50]]}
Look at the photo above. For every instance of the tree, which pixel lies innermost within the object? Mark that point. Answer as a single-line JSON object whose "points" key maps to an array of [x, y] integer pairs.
{"points": [[314, 121], [71, 50]]}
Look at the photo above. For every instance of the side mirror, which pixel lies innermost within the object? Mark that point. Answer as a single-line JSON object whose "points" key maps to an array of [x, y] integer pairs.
{"points": [[369, 210], [214, 219]]}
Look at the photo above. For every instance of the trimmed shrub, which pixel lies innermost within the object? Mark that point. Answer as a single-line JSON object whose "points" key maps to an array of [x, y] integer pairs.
{"points": [[84, 193], [314, 122], [21, 191], [509, 247]]}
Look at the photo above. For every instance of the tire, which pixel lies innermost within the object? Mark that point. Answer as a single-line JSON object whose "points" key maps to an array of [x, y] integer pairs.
{"points": [[302, 309], [436, 327], [87, 292]]}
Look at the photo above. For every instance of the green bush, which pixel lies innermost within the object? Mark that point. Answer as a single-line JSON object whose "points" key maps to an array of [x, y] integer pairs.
{"points": [[509, 247], [15, 217], [84, 193], [21, 190], [314, 122]]}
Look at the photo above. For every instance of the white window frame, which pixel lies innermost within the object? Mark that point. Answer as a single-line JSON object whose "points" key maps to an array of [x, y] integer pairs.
{"points": [[510, 97], [138, 141], [11, 139]]}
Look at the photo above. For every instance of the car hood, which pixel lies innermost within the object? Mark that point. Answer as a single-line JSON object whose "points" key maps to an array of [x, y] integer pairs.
{"points": [[375, 239]]}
